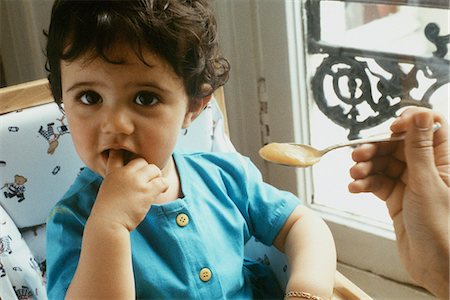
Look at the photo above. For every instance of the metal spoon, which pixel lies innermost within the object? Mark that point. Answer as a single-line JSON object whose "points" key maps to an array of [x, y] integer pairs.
{"points": [[301, 155]]}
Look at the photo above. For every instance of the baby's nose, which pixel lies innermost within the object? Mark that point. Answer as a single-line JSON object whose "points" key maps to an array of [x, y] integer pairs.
{"points": [[116, 121]]}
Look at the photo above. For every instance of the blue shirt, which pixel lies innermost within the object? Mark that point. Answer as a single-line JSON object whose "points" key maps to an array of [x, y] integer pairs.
{"points": [[225, 202]]}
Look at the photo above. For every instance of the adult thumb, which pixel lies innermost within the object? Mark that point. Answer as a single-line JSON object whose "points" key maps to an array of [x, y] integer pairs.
{"points": [[419, 145]]}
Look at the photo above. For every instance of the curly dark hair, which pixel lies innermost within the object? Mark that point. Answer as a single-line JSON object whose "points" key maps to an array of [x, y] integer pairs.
{"points": [[182, 32]]}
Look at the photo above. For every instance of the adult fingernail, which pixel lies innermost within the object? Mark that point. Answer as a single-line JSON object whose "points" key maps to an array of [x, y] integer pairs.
{"points": [[422, 121]]}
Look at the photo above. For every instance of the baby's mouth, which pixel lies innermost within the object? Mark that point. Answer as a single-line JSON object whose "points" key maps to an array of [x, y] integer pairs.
{"points": [[127, 156]]}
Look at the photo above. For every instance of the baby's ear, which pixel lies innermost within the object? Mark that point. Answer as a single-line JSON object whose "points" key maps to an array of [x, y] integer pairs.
{"points": [[197, 105], [195, 109]]}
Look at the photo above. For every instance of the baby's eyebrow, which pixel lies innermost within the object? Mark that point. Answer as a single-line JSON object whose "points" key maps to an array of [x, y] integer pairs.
{"points": [[150, 85], [80, 84]]}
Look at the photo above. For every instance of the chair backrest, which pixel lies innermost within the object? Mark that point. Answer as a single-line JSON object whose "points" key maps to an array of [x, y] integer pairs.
{"points": [[38, 163]]}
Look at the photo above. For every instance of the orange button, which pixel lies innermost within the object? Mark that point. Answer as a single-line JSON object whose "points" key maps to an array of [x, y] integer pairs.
{"points": [[182, 220], [205, 274]]}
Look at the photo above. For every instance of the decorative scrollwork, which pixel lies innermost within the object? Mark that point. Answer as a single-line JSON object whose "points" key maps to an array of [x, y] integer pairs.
{"points": [[350, 93], [432, 33]]}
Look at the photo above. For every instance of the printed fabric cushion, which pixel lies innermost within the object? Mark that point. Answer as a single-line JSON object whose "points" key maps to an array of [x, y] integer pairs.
{"points": [[20, 274], [39, 163]]}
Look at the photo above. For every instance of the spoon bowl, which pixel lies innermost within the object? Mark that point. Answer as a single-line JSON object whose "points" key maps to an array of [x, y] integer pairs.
{"points": [[302, 155], [295, 155]]}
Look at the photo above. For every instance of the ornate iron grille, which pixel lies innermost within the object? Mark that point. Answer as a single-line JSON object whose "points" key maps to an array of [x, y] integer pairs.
{"points": [[351, 63]]}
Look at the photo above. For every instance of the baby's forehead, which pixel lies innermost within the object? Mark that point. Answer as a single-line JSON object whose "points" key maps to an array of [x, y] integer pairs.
{"points": [[121, 66], [122, 54]]}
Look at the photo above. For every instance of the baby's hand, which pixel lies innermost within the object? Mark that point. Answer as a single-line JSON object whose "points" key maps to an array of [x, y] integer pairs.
{"points": [[128, 191]]}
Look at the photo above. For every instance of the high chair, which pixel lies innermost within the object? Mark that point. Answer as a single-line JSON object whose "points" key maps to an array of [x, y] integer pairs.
{"points": [[38, 163]]}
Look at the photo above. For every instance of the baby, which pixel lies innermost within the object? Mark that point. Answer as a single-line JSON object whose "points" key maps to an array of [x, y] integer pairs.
{"points": [[142, 220]]}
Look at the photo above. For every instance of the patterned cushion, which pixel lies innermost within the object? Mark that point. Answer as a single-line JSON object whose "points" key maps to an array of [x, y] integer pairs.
{"points": [[39, 162], [20, 274]]}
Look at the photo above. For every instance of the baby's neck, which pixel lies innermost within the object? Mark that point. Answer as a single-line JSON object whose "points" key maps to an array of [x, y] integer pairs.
{"points": [[170, 173]]}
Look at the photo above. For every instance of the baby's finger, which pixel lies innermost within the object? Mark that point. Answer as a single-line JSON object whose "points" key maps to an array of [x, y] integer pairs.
{"points": [[154, 189], [149, 172], [150, 176], [137, 164], [115, 160], [160, 185]]}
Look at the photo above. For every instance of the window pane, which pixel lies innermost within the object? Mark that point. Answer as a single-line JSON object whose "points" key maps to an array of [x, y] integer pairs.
{"points": [[367, 62], [379, 27]]}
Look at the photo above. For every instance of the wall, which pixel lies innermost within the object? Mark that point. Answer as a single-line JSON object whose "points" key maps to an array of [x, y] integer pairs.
{"points": [[22, 40]]}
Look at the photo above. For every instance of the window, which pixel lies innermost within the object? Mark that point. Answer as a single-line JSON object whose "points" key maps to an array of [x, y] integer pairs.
{"points": [[22, 39], [364, 69], [273, 62]]}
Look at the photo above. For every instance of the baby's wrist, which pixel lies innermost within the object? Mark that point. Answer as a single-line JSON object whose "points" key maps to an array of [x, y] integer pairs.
{"points": [[301, 295], [301, 288], [97, 220]]}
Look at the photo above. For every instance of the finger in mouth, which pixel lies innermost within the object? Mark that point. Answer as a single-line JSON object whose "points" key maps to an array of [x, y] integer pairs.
{"points": [[127, 156]]}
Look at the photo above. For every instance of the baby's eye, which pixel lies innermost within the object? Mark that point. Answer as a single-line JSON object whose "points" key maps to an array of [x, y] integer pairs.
{"points": [[90, 98], [146, 99]]}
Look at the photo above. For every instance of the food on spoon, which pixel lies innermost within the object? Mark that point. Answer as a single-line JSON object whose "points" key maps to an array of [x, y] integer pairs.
{"points": [[289, 155]]}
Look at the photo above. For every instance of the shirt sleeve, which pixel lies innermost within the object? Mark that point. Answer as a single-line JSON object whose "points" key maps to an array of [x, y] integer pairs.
{"points": [[265, 207], [64, 234]]}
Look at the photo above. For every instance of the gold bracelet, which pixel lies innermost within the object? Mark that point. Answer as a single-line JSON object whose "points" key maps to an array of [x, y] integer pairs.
{"points": [[302, 295]]}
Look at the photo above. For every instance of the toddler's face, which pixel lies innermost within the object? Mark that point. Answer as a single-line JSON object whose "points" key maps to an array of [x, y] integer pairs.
{"points": [[132, 107]]}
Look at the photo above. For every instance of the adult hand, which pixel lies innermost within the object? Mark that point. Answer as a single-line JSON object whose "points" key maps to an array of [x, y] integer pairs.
{"points": [[128, 191], [413, 178]]}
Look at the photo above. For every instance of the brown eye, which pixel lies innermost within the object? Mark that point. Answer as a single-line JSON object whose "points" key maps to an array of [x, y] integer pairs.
{"points": [[90, 98], [146, 99]]}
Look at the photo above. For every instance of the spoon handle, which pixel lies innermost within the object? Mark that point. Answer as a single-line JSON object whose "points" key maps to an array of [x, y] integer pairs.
{"points": [[383, 137]]}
